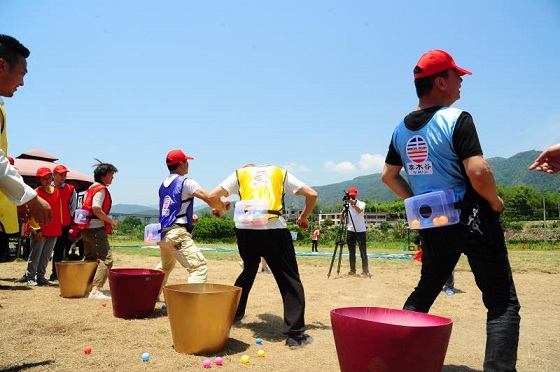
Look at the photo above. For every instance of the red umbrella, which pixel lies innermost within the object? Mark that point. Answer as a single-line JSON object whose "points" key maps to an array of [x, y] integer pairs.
{"points": [[28, 163]]}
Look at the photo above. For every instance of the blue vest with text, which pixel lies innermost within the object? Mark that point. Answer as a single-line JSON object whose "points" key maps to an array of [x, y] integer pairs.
{"points": [[427, 154], [170, 203]]}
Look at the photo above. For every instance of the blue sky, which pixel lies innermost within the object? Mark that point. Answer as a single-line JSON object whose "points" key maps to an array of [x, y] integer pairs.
{"points": [[313, 86]]}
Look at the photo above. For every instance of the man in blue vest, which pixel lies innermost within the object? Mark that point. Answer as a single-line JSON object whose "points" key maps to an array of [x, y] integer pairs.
{"points": [[176, 196], [438, 147]]}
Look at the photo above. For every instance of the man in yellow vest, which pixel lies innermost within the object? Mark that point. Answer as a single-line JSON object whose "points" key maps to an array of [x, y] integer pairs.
{"points": [[13, 191], [261, 231]]}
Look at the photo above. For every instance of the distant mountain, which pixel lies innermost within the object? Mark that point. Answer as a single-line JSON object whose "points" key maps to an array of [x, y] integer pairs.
{"points": [[507, 171], [134, 209]]}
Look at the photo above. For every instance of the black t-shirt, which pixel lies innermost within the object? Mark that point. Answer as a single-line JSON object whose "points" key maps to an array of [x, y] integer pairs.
{"points": [[465, 137]]}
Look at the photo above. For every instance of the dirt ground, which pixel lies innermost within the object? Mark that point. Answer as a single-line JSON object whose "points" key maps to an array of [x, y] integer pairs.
{"points": [[41, 331]]}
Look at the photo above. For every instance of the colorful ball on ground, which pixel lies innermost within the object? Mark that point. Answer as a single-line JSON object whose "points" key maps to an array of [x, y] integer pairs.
{"points": [[87, 350], [245, 359], [146, 357], [260, 353], [104, 304], [219, 361], [259, 341], [207, 363], [164, 306]]}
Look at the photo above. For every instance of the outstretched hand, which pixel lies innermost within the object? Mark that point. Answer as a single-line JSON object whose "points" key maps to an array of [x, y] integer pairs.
{"points": [[548, 161]]}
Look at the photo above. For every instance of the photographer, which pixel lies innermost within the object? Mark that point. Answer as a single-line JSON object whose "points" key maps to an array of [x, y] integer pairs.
{"points": [[356, 230]]}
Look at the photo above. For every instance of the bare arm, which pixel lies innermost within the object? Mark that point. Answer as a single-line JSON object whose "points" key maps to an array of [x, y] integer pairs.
{"points": [[215, 198], [216, 203], [482, 180], [391, 176], [310, 201], [98, 212]]}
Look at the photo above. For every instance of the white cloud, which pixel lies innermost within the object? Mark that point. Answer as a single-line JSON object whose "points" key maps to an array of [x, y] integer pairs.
{"points": [[295, 168], [342, 167], [372, 162]]}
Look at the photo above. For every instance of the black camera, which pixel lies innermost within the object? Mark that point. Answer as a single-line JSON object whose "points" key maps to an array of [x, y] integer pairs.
{"points": [[347, 197]]}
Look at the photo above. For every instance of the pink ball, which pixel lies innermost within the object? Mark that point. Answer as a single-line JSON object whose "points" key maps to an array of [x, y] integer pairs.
{"points": [[207, 363], [219, 361]]}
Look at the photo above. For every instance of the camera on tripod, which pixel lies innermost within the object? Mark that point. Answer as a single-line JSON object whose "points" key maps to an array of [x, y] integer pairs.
{"points": [[347, 197]]}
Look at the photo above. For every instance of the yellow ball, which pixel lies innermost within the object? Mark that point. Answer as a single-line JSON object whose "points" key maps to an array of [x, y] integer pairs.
{"points": [[245, 359], [260, 353], [415, 224], [443, 220]]}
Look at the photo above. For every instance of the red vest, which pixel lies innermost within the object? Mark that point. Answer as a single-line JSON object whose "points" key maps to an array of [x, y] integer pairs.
{"points": [[106, 207], [65, 196], [55, 227]]}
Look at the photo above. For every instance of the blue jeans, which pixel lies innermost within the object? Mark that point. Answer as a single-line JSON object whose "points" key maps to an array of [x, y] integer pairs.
{"points": [[488, 258]]}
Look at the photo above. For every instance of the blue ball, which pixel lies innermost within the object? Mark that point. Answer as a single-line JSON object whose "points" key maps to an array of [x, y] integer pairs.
{"points": [[146, 357], [259, 341], [163, 307]]}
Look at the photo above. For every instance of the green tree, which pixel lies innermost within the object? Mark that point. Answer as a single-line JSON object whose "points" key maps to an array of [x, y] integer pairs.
{"points": [[130, 225]]}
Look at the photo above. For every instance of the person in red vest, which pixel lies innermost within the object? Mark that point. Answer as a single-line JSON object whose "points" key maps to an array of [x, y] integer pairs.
{"points": [[43, 236], [97, 203], [68, 200]]}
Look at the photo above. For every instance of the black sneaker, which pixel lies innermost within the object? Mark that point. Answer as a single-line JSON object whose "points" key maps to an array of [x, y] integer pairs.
{"points": [[23, 279], [53, 277], [301, 340], [43, 282]]}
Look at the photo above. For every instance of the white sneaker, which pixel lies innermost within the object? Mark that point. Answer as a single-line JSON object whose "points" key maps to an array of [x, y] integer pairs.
{"points": [[98, 295]]}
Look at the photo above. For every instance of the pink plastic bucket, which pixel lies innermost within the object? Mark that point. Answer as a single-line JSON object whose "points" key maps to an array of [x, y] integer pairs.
{"points": [[134, 292], [383, 340]]}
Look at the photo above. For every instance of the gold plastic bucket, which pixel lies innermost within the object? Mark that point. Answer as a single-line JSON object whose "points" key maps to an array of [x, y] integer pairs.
{"points": [[201, 315], [75, 277]]}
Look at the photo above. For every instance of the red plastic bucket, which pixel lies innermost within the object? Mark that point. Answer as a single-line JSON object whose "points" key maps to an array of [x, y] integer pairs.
{"points": [[383, 340], [134, 292]]}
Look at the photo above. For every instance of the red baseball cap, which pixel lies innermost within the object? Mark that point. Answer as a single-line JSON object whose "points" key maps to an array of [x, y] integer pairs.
{"points": [[176, 156], [60, 169], [436, 61], [353, 191], [42, 172]]}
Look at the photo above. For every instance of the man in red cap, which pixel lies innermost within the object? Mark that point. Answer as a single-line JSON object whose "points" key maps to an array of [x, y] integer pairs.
{"points": [[176, 197], [438, 147], [68, 201], [356, 232], [13, 191]]}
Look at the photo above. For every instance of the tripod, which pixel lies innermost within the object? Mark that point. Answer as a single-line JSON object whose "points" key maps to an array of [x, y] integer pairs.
{"points": [[340, 237]]}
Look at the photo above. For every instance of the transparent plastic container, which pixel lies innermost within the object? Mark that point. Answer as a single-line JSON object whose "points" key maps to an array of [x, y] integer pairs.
{"points": [[433, 209], [151, 233], [80, 216], [251, 212]]}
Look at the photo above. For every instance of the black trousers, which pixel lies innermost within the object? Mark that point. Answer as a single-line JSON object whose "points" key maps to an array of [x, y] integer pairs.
{"points": [[488, 259], [277, 248], [360, 237], [60, 248]]}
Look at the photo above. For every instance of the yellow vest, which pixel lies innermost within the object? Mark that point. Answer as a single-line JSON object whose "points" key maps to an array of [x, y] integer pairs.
{"points": [[8, 211], [265, 182]]}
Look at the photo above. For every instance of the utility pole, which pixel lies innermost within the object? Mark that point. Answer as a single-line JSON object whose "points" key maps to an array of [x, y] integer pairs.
{"points": [[544, 217]]}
